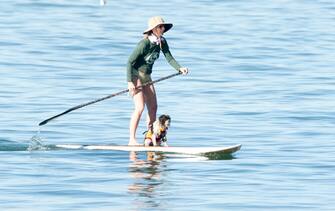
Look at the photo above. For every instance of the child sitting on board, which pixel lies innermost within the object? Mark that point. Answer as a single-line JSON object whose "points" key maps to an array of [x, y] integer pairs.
{"points": [[157, 135]]}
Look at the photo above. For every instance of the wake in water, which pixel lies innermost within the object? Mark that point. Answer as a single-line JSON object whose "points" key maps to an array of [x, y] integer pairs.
{"points": [[36, 143], [6, 145]]}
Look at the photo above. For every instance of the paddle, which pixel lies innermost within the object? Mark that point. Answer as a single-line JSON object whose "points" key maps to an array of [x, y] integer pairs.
{"points": [[104, 98]]}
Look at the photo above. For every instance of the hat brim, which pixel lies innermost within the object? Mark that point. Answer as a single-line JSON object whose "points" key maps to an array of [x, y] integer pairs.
{"points": [[167, 27]]}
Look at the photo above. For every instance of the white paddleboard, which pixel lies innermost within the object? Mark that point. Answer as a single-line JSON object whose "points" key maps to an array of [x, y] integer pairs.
{"points": [[206, 151]]}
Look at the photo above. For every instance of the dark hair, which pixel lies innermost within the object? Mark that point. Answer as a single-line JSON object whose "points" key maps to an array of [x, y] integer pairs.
{"points": [[163, 118], [146, 35]]}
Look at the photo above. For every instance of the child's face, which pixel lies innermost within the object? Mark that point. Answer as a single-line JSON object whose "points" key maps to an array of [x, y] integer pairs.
{"points": [[167, 123]]}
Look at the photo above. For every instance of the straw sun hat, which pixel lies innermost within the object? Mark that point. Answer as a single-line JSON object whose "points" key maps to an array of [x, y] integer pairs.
{"points": [[155, 21]]}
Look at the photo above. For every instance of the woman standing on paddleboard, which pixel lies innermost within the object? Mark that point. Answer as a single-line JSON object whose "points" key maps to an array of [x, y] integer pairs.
{"points": [[139, 69]]}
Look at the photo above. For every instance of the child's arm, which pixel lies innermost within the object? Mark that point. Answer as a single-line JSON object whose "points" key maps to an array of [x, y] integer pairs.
{"points": [[156, 131], [153, 138]]}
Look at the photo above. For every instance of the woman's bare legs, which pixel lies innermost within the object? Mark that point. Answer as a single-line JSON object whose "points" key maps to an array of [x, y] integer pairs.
{"points": [[151, 103], [136, 116], [145, 96]]}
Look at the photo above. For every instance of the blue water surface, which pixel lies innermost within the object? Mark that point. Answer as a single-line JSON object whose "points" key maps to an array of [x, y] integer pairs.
{"points": [[261, 75]]}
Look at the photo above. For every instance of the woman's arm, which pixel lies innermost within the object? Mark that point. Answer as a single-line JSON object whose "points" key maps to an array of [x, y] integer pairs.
{"points": [[171, 59], [138, 51], [168, 55]]}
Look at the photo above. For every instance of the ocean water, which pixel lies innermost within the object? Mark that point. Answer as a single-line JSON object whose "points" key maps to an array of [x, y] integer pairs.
{"points": [[261, 75]]}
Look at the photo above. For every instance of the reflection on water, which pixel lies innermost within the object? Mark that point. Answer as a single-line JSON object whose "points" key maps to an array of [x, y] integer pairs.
{"points": [[146, 178], [220, 156]]}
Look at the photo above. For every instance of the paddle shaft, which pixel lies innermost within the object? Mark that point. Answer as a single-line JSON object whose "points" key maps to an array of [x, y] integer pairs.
{"points": [[104, 98]]}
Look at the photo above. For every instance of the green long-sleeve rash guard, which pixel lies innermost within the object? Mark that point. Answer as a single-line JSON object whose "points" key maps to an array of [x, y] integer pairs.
{"points": [[144, 56]]}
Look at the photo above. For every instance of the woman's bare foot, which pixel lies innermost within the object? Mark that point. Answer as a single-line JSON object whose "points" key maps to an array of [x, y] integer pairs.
{"points": [[133, 142]]}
